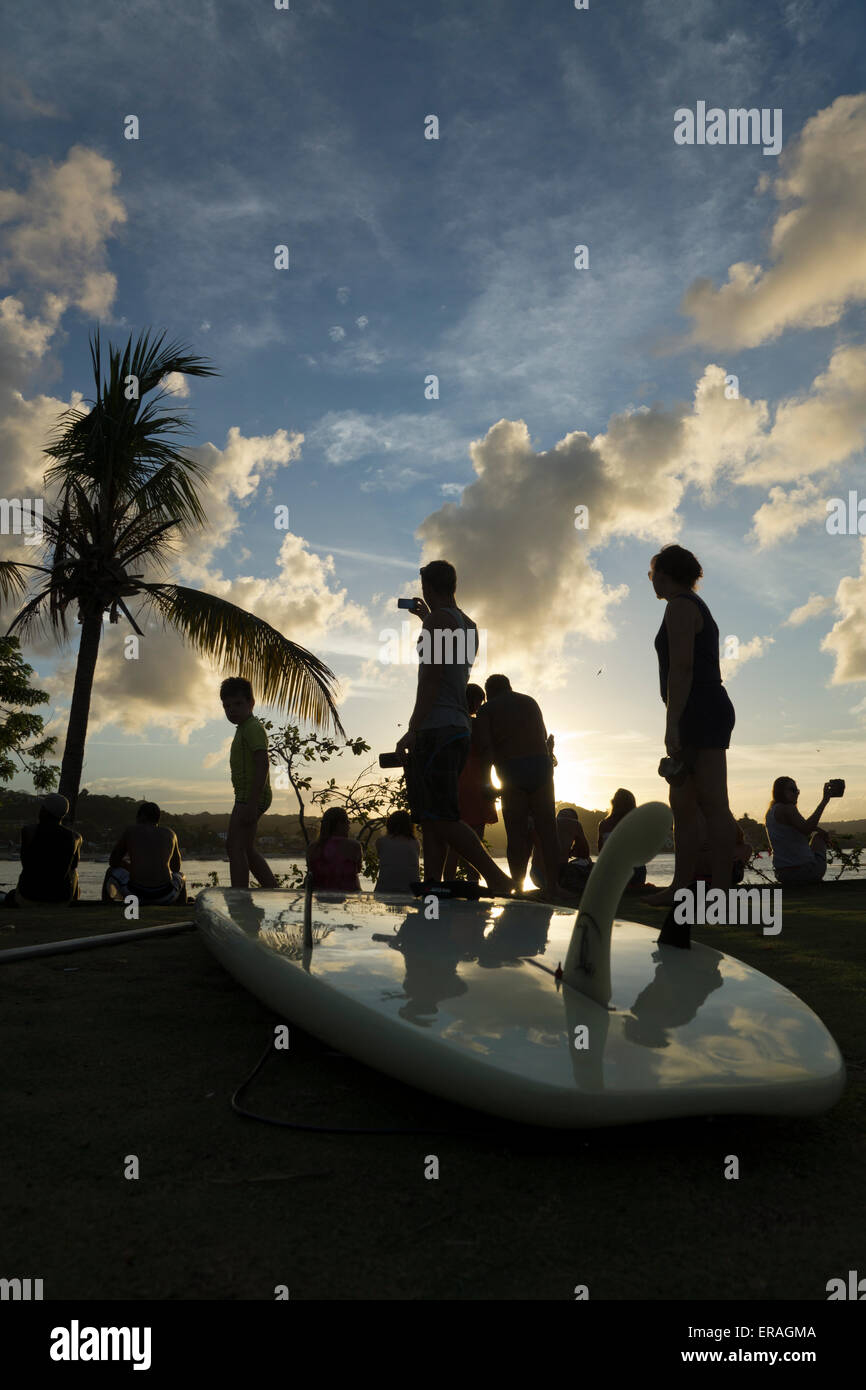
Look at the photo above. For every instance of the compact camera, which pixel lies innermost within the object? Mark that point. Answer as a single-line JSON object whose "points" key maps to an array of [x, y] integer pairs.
{"points": [[674, 771], [836, 786], [392, 760]]}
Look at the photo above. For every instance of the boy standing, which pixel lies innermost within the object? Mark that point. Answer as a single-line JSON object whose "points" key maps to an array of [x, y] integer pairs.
{"points": [[251, 781]]}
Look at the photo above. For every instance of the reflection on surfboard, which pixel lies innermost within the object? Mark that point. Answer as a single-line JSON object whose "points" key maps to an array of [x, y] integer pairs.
{"points": [[468, 1006]]}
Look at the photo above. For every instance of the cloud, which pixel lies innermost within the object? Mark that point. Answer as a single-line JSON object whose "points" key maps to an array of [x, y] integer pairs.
{"points": [[57, 229], [818, 429], [362, 322], [420, 440], [233, 475], [343, 294], [747, 651], [846, 640], [524, 572], [20, 100], [814, 605], [176, 384], [786, 513], [336, 334], [817, 244]]}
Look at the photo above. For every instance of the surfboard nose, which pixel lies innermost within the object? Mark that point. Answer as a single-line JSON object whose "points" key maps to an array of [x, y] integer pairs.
{"points": [[636, 840]]}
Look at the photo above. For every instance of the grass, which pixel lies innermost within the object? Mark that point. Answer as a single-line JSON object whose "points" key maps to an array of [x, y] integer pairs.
{"points": [[136, 1050]]}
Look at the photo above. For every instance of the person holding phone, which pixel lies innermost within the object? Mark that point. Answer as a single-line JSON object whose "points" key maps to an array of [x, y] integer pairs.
{"points": [[436, 743], [798, 843]]}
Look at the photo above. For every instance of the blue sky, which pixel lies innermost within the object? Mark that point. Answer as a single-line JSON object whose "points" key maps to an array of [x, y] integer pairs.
{"points": [[454, 256]]}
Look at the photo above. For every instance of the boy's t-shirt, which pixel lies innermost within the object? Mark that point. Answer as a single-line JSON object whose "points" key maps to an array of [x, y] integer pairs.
{"points": [[249, 738]]}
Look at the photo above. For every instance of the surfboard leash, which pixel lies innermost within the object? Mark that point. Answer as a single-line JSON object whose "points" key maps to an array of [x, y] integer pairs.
{"points": [[241, 1110]]}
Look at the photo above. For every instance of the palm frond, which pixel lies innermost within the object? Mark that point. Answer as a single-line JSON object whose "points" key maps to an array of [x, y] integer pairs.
{"points": [[33, 618], [13, 581], [281, 672], [120, 445]]}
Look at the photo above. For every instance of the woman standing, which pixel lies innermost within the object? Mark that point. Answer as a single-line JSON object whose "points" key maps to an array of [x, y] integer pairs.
{"points": [[700, 719]]}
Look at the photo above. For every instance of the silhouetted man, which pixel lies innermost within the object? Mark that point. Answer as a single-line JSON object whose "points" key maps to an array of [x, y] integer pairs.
{"points": [[145, 862], [436, 742], [511, 735]]}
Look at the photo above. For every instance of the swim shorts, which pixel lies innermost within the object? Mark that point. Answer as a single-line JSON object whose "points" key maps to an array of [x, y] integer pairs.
{"points": [[432, 772], [527, 774]]}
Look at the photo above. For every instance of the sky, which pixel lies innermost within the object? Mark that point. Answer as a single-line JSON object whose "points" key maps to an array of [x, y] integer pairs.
{"points": [[697, 375]]}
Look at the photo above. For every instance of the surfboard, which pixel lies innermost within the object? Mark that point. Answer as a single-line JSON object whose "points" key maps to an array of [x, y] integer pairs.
{"points": [[522, 1010]]}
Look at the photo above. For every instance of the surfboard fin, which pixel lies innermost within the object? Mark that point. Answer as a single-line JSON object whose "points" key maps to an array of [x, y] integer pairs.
{"points": [[638, 837]]}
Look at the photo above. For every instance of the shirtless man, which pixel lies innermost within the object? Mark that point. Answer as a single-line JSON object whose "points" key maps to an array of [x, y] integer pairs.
{"points": [[511, 736], [436, 742], [145, 862]]}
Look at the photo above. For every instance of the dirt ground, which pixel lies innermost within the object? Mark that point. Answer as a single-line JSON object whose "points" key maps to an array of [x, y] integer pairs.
{"points": [[136, 1050]]}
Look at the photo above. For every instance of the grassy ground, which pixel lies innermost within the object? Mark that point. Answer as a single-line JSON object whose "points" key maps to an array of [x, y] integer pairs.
{"points": [[137, 1049]]}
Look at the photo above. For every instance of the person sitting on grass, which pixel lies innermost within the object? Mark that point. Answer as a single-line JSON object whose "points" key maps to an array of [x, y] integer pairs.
{"points": [[146, 862], [622, 802], [49, 858], [334, 859], [799, 845], [742, 854], [575, 863], [399, 855], [251, 781]]}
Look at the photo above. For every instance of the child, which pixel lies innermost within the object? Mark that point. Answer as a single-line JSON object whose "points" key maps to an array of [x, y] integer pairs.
{"points": [[399, 855], [252, 785], [333, 858]]}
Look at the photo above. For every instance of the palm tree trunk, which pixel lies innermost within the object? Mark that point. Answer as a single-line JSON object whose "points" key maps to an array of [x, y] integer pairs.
{"points": [[79, 712]]}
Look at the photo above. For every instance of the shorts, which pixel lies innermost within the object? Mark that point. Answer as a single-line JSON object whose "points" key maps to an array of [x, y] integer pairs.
{"points": [[528, 774], [433, 771], [708, 718], [809, 872]]}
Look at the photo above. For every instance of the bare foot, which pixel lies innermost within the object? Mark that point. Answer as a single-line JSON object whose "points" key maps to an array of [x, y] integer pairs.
{"points": [[501, 885]]}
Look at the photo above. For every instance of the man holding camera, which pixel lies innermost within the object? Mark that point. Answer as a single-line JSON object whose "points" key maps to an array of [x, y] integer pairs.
{"points": [[436, 742], [799, 846]]}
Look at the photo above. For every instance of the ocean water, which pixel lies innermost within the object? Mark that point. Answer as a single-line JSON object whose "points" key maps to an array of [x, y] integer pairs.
{"points": [[660, 871]]}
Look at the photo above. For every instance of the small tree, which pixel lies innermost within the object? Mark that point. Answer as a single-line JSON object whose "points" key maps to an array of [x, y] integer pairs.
{"points": [[19, 726], [368, 800]]}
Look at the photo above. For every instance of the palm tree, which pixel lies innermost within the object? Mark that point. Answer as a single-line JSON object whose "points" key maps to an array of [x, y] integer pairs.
{"points": [[124, 496]]}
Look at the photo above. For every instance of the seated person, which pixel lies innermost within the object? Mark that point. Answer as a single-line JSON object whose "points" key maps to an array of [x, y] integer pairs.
{"points": [[742, 854], [334, 859], [145, 863], [574, 857], [799, 846], [49, 858], [399, 855], [622, 802]]}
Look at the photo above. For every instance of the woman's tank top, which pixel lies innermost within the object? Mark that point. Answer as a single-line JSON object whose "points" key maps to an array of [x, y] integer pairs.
{"points": [[334, 868], [706, 669], [790, 847], [443, 650]]}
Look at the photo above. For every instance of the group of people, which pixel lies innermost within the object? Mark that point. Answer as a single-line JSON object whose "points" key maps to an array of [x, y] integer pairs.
{"points": [[145, 861], [457, 733]]}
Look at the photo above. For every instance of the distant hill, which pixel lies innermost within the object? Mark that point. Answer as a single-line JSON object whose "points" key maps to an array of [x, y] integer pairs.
{"points": [[100, 819]]}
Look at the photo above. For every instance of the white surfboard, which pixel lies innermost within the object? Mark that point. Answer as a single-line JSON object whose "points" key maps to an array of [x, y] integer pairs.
{"points": [[469, 1007]]}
